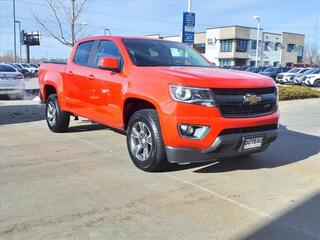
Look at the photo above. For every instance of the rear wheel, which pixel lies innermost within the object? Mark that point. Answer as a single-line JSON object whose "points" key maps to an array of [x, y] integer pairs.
{"points": [[57, 120], [317, 83], [144, 140]]}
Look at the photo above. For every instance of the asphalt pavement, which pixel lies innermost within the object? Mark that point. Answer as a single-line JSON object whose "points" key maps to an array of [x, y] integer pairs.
{"points": [[82, 184]]}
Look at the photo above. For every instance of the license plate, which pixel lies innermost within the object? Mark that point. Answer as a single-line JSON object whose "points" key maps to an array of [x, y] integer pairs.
{"points": [[251, 142]]}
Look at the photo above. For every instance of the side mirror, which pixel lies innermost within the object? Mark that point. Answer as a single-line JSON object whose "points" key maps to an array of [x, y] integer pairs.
{"points": [[109, 63]]}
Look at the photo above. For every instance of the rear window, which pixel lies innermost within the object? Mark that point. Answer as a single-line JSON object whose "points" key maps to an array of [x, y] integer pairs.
{"points": [[82, 54], [7, 68]]}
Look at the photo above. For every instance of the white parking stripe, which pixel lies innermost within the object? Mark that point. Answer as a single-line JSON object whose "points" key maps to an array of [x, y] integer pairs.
{"points": [[204, 189]]}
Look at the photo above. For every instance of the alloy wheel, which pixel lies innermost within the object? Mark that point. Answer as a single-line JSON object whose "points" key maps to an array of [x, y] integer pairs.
{"points": [[141, 141]]}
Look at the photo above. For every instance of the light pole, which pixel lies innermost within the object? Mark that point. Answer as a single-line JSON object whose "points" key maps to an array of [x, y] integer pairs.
{"points": [[105, 31], [20, 40], [189, 5], [83, 26], [14, 31], [258, 32]]}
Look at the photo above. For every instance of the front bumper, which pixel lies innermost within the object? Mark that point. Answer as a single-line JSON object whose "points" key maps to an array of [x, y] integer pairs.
{"points": [[223, 146]]}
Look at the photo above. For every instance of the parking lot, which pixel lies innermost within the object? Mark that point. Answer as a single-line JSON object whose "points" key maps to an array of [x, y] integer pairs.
{"points": [[82, 184]]}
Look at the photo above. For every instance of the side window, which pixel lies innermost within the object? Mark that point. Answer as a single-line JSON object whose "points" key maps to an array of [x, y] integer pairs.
{"points": [[105, 49], [82, 54]]}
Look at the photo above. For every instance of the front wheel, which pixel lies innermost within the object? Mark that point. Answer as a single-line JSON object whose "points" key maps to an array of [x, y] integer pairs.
{"points": [[57, 120], [144, 140], [317, 83]]}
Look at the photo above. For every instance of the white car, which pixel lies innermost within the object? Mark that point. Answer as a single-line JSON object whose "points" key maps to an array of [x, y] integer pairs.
{"points": [[298, 79], [312, 80], [288, 77], [11, 80], [30, 68]]}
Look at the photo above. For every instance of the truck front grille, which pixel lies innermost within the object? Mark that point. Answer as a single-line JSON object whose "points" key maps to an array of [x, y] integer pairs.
{"points": [[232, 102], [249, 129]]}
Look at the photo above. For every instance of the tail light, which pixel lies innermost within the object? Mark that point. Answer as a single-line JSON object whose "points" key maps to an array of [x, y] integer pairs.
{"points": [[18, 76]]}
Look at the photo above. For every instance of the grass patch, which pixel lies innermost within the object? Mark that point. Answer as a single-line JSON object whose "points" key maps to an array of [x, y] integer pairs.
{"points": [[297, 92]]}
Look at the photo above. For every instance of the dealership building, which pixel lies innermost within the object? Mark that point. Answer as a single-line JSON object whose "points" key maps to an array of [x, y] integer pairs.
{"points": [[236, 46]]}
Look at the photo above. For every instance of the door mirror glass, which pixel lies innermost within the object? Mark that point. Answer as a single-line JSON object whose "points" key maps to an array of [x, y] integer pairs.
{"points": [[109, 63]]}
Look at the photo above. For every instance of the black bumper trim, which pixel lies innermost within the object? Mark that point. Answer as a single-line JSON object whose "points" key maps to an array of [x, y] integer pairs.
{"points": [[223, 146]]}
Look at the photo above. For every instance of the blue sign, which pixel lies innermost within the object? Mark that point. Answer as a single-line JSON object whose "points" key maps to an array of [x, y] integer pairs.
{"points": [[189, 20]]}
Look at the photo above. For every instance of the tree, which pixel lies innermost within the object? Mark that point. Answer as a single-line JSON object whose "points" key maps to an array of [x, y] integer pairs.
{"points": [[311, 53], [66, 15]]}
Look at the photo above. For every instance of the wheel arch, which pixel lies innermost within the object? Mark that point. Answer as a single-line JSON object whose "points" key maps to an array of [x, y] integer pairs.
{"points": [[133, 104]]}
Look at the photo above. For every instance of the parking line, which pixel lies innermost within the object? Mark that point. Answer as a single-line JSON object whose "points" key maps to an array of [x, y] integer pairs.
{"points": [[240, 204], [205, 190]]}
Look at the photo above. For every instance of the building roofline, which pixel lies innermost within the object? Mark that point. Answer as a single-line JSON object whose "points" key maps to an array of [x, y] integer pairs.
{"points": [[233, 26], [273, 33], [294, 33]]}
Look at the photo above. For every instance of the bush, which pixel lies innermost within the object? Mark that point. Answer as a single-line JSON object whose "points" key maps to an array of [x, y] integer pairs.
{"points": [[297, 92]]}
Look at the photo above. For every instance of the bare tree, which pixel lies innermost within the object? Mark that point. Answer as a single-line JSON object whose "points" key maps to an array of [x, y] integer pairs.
{"points": [[66, 16], [311, 53]]}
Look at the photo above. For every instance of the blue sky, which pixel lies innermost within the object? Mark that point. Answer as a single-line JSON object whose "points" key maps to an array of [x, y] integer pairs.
{"points": [[141, 17]]}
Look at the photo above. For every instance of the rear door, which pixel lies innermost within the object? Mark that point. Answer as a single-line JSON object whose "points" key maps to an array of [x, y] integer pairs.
{"points": [[77, 79], [106, 86]]}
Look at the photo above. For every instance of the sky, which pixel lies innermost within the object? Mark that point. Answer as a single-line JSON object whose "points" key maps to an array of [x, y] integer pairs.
{"points": [[143, 17]]}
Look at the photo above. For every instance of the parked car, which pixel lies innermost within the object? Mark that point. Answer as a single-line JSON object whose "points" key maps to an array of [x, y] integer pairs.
{"points": [[34, 65], [288, 77], [31, 69], [312, 79], [239, 68], [24, 71], [253, 69], [298, 79], [274, 71], [11, 80], [173, 107], [299, 65]]}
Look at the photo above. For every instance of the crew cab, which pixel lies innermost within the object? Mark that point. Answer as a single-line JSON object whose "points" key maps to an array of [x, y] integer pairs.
{"points": [[173, 106]]}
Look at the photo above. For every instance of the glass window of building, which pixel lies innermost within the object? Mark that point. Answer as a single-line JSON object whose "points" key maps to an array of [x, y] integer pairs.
{"points": [[225, 62], [290, 47], [200, 47], [226, 46], [254, 44], [242, 45]]}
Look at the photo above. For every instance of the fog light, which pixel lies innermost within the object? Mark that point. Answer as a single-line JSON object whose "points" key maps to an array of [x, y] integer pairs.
{"points": [[193, 131]]}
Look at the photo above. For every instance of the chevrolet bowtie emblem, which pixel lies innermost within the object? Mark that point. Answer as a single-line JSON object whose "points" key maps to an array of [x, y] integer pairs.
{"points": [[251, 99]]}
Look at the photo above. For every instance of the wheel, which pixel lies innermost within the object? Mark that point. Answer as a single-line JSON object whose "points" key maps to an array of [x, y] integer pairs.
{"points": [[57, 120], [144, 140], [317, 83]]}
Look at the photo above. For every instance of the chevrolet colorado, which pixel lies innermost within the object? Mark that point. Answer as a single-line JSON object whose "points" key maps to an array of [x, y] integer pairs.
{"points": [[166, 97]]}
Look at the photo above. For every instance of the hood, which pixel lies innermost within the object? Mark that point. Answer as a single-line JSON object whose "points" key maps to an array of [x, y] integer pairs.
{"points": [[215, 78], [288, 74]]}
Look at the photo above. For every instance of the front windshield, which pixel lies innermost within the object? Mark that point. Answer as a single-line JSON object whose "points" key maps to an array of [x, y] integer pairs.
{"points": [[145, 52], [294, 70], [310, 71]]}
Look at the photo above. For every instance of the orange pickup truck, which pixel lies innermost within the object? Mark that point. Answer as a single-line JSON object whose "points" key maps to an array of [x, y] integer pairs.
{"points": [[173, 106]]}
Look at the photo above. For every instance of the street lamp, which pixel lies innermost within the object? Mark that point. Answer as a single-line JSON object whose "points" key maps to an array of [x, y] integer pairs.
{"points": [[20, 39], [83, 26], [14, 30], [105, 31], [257, 45], [189, 5]]}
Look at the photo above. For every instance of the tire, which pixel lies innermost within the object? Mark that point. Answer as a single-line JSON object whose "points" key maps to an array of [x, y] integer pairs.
{"points": [[144, 141], [317, 83], [57, 120]]}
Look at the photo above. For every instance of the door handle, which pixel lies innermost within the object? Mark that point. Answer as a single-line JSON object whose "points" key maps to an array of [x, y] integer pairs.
{"points": [[91, 77], [70, 72]]}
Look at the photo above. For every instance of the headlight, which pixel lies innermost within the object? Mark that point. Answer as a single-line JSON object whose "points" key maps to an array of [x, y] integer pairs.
{"points": [[199, 96]]}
